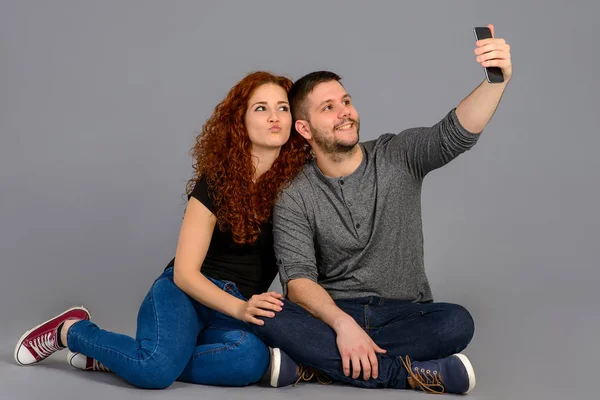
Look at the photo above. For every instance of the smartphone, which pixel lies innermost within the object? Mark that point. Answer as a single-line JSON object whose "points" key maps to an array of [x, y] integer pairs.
{"points": [[493, 74]]}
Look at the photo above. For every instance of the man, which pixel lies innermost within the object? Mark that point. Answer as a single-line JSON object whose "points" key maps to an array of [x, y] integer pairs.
{"points": [[349, 243]]}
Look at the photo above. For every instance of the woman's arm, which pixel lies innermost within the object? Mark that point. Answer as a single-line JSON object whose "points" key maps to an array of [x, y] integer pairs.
{"points": [[194, 239]]}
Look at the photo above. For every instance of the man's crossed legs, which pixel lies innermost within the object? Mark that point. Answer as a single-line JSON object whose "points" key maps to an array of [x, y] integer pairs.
{"points": [[421, 337]]}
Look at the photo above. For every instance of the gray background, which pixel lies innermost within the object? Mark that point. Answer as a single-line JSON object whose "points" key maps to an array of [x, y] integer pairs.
{"points": [[100, 102]]}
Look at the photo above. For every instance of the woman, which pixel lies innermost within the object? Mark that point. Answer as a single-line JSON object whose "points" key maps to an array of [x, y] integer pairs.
{"points": [[193, 323]]}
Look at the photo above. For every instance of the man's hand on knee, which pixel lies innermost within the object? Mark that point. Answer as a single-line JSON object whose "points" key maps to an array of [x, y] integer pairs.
{"points": [[358, 350]]}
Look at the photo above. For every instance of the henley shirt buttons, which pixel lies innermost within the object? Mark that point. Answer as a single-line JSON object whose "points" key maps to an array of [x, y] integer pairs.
{"points": [[357, 226], [341, 181]]}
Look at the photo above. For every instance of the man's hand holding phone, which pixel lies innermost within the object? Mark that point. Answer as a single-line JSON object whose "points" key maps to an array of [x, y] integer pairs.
{"points": [[493, 54]]}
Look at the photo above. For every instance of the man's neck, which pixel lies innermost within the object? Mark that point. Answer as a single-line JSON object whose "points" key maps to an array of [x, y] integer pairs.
{"points": [[263, 159], [339, 164]]}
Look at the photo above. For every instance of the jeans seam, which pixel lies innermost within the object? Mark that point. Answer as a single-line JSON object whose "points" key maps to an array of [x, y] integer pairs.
{"points": [[224, 348], [157, 323]]}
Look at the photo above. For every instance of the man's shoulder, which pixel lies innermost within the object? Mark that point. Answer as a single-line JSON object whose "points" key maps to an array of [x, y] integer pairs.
{"points": [[302, 182], [381, 142]]}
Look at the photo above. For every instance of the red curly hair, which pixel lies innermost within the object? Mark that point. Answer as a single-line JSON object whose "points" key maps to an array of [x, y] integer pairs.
{"points": [[222, 156]]}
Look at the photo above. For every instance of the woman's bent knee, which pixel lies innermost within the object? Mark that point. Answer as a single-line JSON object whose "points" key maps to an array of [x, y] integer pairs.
{"points": [[252, 361]]}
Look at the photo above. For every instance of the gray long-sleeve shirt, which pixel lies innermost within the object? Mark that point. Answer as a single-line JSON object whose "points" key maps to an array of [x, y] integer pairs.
{"points": [[361, 235]]}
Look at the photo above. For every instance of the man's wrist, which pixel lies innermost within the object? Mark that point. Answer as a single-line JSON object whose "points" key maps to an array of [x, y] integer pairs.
{"points": [[341, 321]]}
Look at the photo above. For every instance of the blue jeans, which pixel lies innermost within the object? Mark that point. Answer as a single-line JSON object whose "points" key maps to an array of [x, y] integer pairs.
{"points": [[422, 331], [177, 339]]}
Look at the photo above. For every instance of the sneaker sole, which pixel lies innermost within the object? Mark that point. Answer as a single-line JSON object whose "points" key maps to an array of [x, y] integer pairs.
{"points": [[16, 352], [70, 356], [275, 366], [470, 371]]}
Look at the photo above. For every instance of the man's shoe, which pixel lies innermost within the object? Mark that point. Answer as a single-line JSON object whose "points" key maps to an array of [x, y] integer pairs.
{"points": [[81, 361], [42, 340], [284, 371], [452, 374]]}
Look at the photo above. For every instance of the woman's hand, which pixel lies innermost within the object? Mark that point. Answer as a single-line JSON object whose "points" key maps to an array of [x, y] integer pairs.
{"points": [[260, 305]]}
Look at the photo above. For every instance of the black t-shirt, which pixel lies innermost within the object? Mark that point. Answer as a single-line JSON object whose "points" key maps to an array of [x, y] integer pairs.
{"points": [[251, 267]]}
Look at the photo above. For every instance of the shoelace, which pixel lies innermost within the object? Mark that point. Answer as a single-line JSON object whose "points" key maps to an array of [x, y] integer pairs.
{"points": [[428, 382], [45, 345], [98, 366], [307, 374]]}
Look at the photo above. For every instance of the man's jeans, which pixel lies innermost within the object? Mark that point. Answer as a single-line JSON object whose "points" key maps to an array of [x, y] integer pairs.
{"points": [[177, 339], [421, 331]]}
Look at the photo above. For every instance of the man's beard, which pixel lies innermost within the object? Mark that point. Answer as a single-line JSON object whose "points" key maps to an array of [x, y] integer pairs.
{"points": [[332, 145]]}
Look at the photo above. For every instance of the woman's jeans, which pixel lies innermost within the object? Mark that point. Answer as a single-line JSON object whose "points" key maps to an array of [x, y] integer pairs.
{"points": [[177, 339]]}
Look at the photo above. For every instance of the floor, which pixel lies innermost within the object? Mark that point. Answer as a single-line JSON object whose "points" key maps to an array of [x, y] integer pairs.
{"points": [[54, 377], [49, 379]]}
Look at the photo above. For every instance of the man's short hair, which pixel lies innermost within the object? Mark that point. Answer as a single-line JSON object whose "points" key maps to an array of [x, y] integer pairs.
{"points": [[302, 88]]}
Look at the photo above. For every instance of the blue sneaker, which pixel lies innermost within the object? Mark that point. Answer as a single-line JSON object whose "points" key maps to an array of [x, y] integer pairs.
{"points": [[452, 374], [284, 371]]}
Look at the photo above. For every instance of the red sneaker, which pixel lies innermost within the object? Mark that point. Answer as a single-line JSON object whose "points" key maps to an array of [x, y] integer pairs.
{"points": [[81, 361], [42, 340]]}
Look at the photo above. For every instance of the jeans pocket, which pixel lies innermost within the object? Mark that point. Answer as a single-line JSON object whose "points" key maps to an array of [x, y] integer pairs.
{"points": [[232, 289]]}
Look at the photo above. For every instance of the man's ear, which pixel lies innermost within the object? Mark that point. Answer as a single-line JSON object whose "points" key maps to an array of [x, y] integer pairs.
{"points": [[303, 129]]}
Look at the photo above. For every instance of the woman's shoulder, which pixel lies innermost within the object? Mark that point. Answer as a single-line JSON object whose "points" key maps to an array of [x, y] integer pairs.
{"points": [[201, 192]]}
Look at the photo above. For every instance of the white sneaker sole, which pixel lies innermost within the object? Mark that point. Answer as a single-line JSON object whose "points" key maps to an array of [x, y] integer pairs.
{"points": [[70, 356], [20, 342], [275, 366], [470, 371]]}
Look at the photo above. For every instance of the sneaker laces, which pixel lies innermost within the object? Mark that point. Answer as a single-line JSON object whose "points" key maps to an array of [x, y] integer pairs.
{"points": [[98, 366], [430, 382], [307, 374], [45, 344]]}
